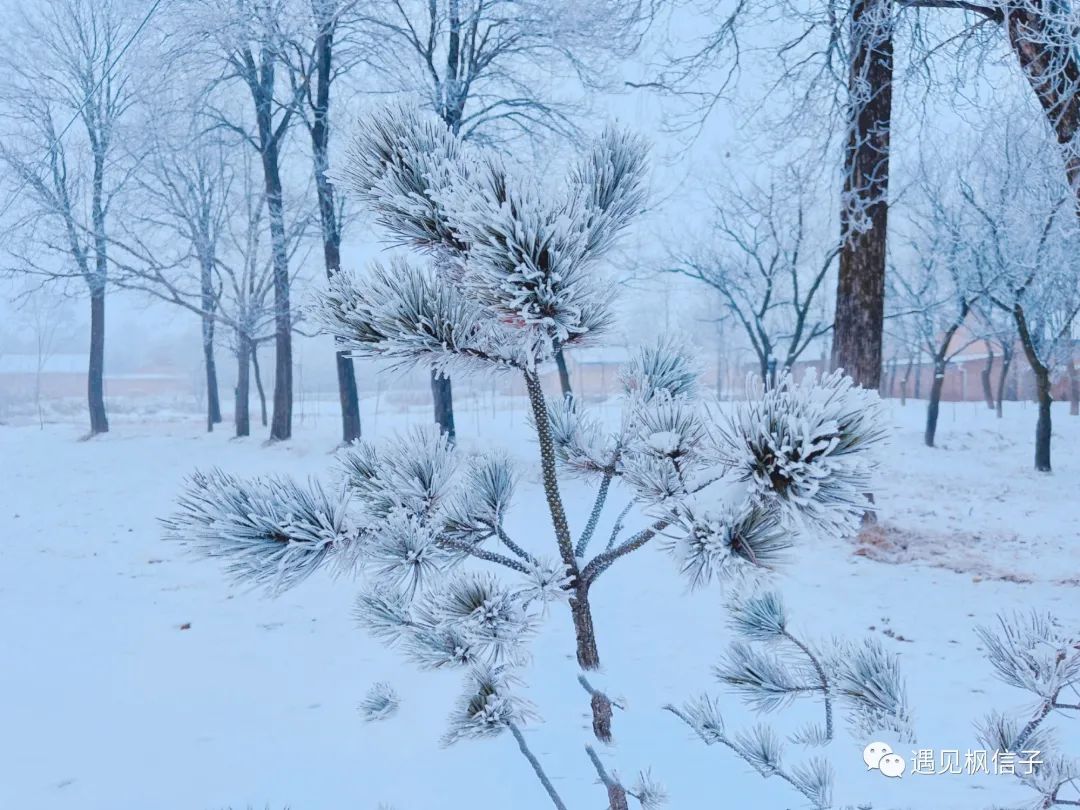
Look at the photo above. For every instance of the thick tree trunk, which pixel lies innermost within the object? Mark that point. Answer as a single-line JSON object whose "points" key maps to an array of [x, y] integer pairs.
{"points": [[442, 395], [564, 374], [585, 634], [1043, 429], [281, 425], [258, 382], [95, 376], [860, 295], [1006, 362], [934, 404], [241, 410], [331, 229], [269, 151], [985, 375]]}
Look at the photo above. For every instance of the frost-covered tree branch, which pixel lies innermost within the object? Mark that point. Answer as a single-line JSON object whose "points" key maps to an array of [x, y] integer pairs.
{"points": [[1034, 653], [511, 271], [762, 669]]}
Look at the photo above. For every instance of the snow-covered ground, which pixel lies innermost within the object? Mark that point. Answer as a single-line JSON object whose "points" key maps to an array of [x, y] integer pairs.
{"points": [[133, 678]]}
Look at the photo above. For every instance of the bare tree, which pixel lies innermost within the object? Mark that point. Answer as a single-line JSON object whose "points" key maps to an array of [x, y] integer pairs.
{"points": [[184, 191], [936, 290], [832, 65], [322, 46], [242, 282], [477, 65], [253, 42], [768, 265], [1027, 244], [997, 328], [66, 68]]}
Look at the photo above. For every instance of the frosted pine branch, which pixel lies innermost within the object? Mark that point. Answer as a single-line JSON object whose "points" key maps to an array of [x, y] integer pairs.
{"points": [[405, 314], [397, 162], [487, 707], [869, 679], [269, 532], [802, 448], [380, 702]]}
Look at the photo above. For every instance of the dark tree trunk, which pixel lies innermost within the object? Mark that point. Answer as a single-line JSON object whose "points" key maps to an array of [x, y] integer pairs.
{"points": [[587, 654], [95, 376], [209, 305], [262, 82], [934, 404], [213, 400], [564, 374], [442, 395], [986, 374], [242, 412], [940, 364], [331, 228], [1006, 362], [1043, 430], [860, 295], [918, 382], [258, 382], [281, 425]]}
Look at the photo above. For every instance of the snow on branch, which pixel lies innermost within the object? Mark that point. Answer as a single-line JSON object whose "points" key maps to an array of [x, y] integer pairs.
{"points": [[666, 365], [269, 532], [516, 258], [413, 471], [713, 541], [380, 702], [406, 314], [770, 667], [396, 163], [488, 706], [1033, 652], [802, 449]]}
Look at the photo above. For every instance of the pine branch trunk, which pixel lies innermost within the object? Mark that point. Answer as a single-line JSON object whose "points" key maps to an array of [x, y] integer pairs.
{"points": [[587, 654]]}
